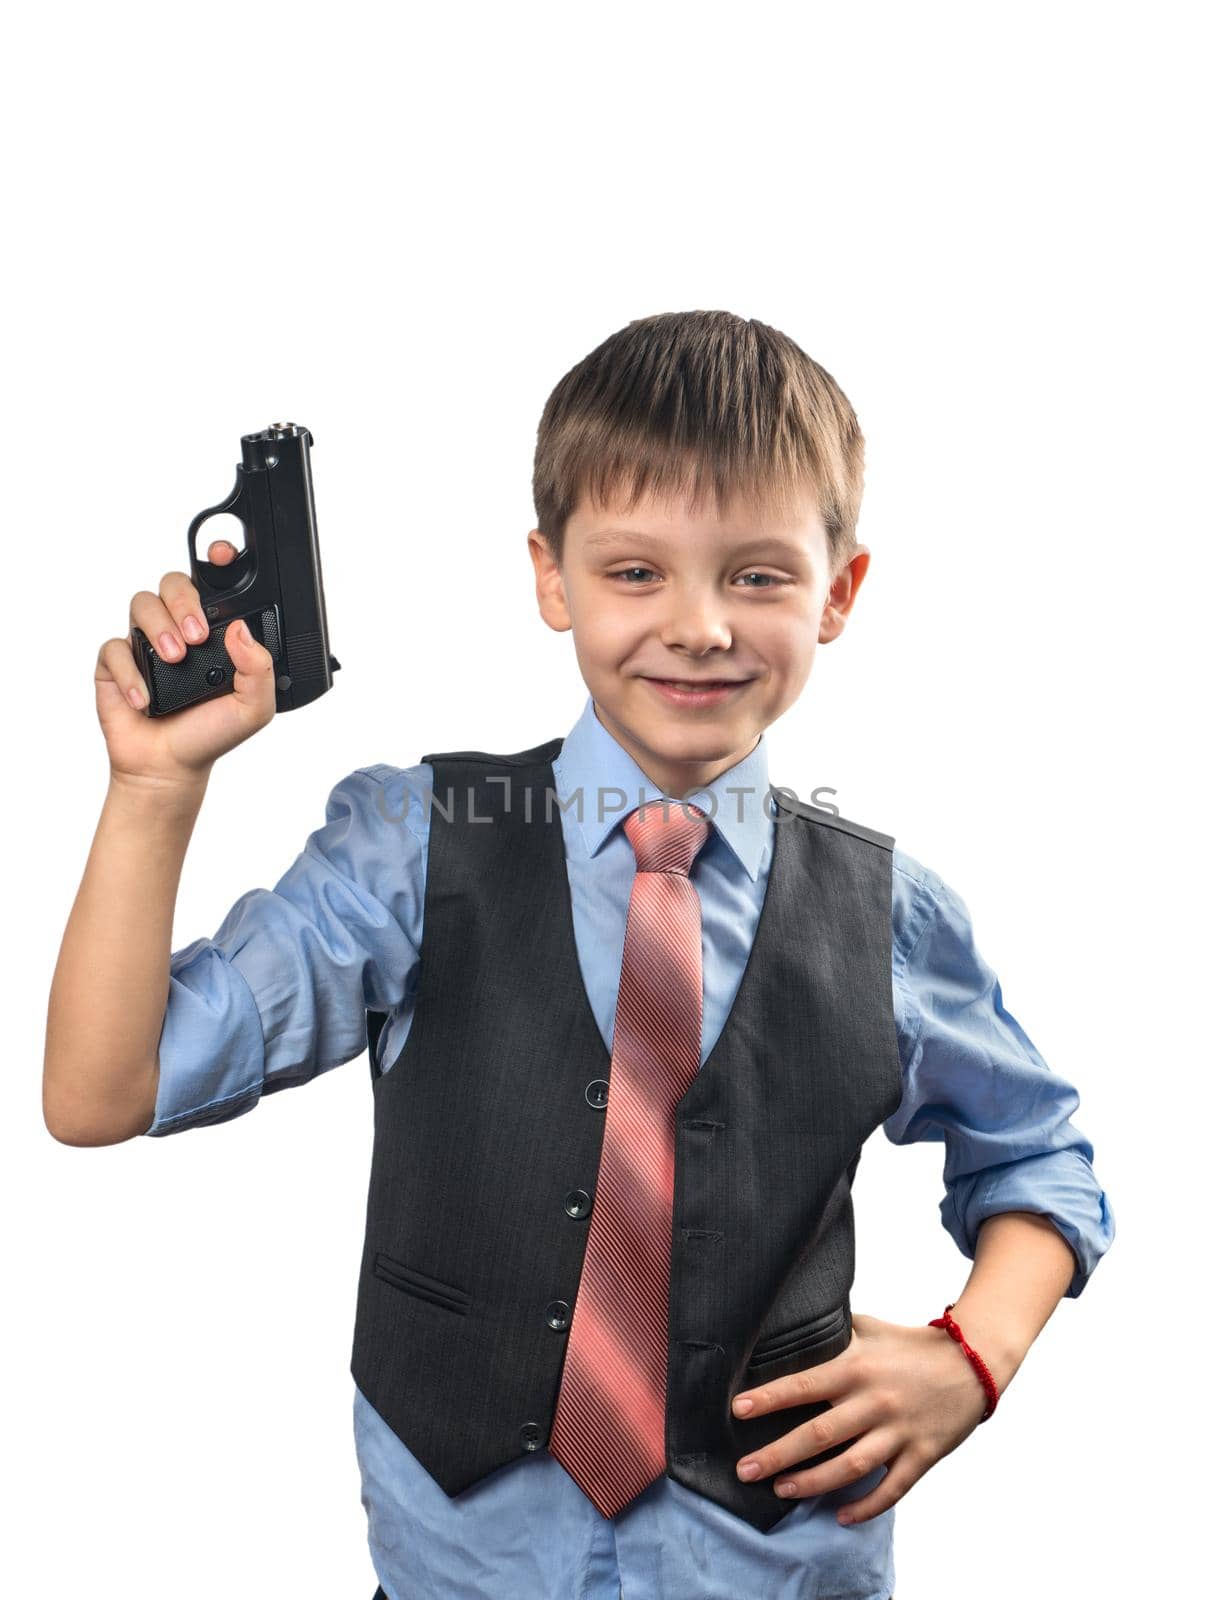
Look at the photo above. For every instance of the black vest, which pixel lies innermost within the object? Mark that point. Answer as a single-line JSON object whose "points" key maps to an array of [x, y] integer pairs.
{"points": [[488, 1132]]}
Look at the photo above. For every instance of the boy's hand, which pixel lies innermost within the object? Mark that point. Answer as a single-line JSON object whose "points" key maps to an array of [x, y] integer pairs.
{"points": [[184, 746], [903, 1395]]}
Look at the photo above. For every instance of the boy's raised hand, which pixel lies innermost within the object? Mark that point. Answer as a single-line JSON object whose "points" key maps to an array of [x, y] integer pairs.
{"points": [[184, 746], [903, 1395]]}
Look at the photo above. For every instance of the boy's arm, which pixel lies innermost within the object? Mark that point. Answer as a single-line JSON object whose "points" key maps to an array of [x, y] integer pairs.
{"points": [[1022, 1269], [279, 994], [107, 993], [973, 1077], [111, 980]]}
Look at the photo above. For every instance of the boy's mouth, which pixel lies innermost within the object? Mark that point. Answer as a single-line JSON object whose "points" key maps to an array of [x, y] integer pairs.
{"points": [[699, 691]]}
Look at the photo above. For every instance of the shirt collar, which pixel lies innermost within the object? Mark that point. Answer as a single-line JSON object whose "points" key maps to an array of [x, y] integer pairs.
{"points": [[612, 784]]}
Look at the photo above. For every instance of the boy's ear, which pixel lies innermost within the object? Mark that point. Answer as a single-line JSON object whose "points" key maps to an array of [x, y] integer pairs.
{"points": [[842, 597], [551, 597]]}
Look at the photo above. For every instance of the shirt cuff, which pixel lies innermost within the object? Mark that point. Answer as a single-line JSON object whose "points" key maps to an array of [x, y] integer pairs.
{"points": [[1058, 1184], [211, 1048]]}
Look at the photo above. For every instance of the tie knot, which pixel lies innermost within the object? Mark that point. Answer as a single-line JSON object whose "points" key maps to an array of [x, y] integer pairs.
{"points": [[666, 835]]}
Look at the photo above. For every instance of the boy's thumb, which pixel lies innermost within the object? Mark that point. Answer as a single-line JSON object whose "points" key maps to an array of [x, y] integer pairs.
{"points": [[252, 662], [241, 637]]}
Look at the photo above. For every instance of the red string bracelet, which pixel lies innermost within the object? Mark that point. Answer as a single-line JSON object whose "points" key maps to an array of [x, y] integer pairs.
{"points": [[980, 1367]]}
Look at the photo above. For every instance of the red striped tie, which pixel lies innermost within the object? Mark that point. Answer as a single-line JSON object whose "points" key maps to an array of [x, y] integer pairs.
{"points": [[608, 1429]]}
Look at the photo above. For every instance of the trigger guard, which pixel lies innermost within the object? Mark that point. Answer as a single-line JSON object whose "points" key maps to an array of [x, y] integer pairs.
{"points": [[208, 572]]}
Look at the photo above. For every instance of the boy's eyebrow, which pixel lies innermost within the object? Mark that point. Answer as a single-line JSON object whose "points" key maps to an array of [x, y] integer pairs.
{"points": [[634, 536], [620, 535]]}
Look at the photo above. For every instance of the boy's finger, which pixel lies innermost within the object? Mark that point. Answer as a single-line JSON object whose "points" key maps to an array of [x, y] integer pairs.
{"points": [[115, 664], [183, 604], [899, 1477], [149, 612], [822, 1382]]}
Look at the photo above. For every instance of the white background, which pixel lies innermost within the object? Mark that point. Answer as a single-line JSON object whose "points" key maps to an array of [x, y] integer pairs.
{"points": [[400, 226]]}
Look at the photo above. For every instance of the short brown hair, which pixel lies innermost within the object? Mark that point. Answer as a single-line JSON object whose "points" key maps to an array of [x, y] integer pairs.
{"points": [[697, 403]]}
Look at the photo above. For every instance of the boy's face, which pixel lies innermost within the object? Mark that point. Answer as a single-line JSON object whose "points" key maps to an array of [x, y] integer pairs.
{"points": [[660, 595]]}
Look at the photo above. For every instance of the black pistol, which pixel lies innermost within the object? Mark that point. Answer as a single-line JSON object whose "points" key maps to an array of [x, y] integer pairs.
{"points": [[275, 584]]}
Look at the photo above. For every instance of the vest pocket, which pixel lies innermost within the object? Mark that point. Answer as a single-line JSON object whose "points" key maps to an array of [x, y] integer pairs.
{"points": [[793, 1342], [420, 1284], [806, 1344]]}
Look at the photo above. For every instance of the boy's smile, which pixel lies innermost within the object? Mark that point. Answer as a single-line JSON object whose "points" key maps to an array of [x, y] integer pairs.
{"points": [[663, 601]]}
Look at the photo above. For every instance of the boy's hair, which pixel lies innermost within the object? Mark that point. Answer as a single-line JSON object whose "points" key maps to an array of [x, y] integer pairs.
{"points": [[697, 403]]}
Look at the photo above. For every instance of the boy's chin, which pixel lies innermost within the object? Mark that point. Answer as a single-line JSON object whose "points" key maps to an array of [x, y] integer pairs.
{"points": [[706, 734]]}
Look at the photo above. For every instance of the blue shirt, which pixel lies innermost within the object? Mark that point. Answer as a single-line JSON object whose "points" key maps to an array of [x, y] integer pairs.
{"points": [[279, 995]]}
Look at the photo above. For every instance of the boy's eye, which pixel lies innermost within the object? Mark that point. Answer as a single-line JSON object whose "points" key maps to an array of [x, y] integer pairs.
{"points": [[767, 577]]}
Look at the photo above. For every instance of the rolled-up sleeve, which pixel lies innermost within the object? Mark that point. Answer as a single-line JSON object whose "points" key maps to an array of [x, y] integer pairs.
{"points": [[973, 1077], [279, 994]]}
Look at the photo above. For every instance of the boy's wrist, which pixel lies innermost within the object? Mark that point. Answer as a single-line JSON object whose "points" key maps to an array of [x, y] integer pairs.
{"points": [[1000, 1345], [157, 793], [152, 812]]}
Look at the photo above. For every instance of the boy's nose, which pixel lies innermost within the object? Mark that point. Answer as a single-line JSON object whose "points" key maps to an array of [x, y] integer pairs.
{"points": [[697, 630]]}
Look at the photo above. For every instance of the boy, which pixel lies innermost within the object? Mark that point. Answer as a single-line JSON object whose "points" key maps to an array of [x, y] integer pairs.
{"points": [[627, 1038]]}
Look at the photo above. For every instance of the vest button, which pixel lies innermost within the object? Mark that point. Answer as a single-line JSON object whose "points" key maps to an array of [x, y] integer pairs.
{"points": [[558, 1313], [597, 1093], [531, 1435], [578, 1203]]}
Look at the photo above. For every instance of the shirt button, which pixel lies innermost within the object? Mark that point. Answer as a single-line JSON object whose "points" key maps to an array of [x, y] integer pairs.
{"points": [[531, 1435], [578, 1203], [558, 1313], [597, 1093]]}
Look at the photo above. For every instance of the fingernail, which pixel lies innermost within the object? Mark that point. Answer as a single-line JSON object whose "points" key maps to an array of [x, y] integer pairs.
{"points": [[742, 1407], [193, 630], [784, 1489], [137, 698], [749, 1470], [169, 646]]}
